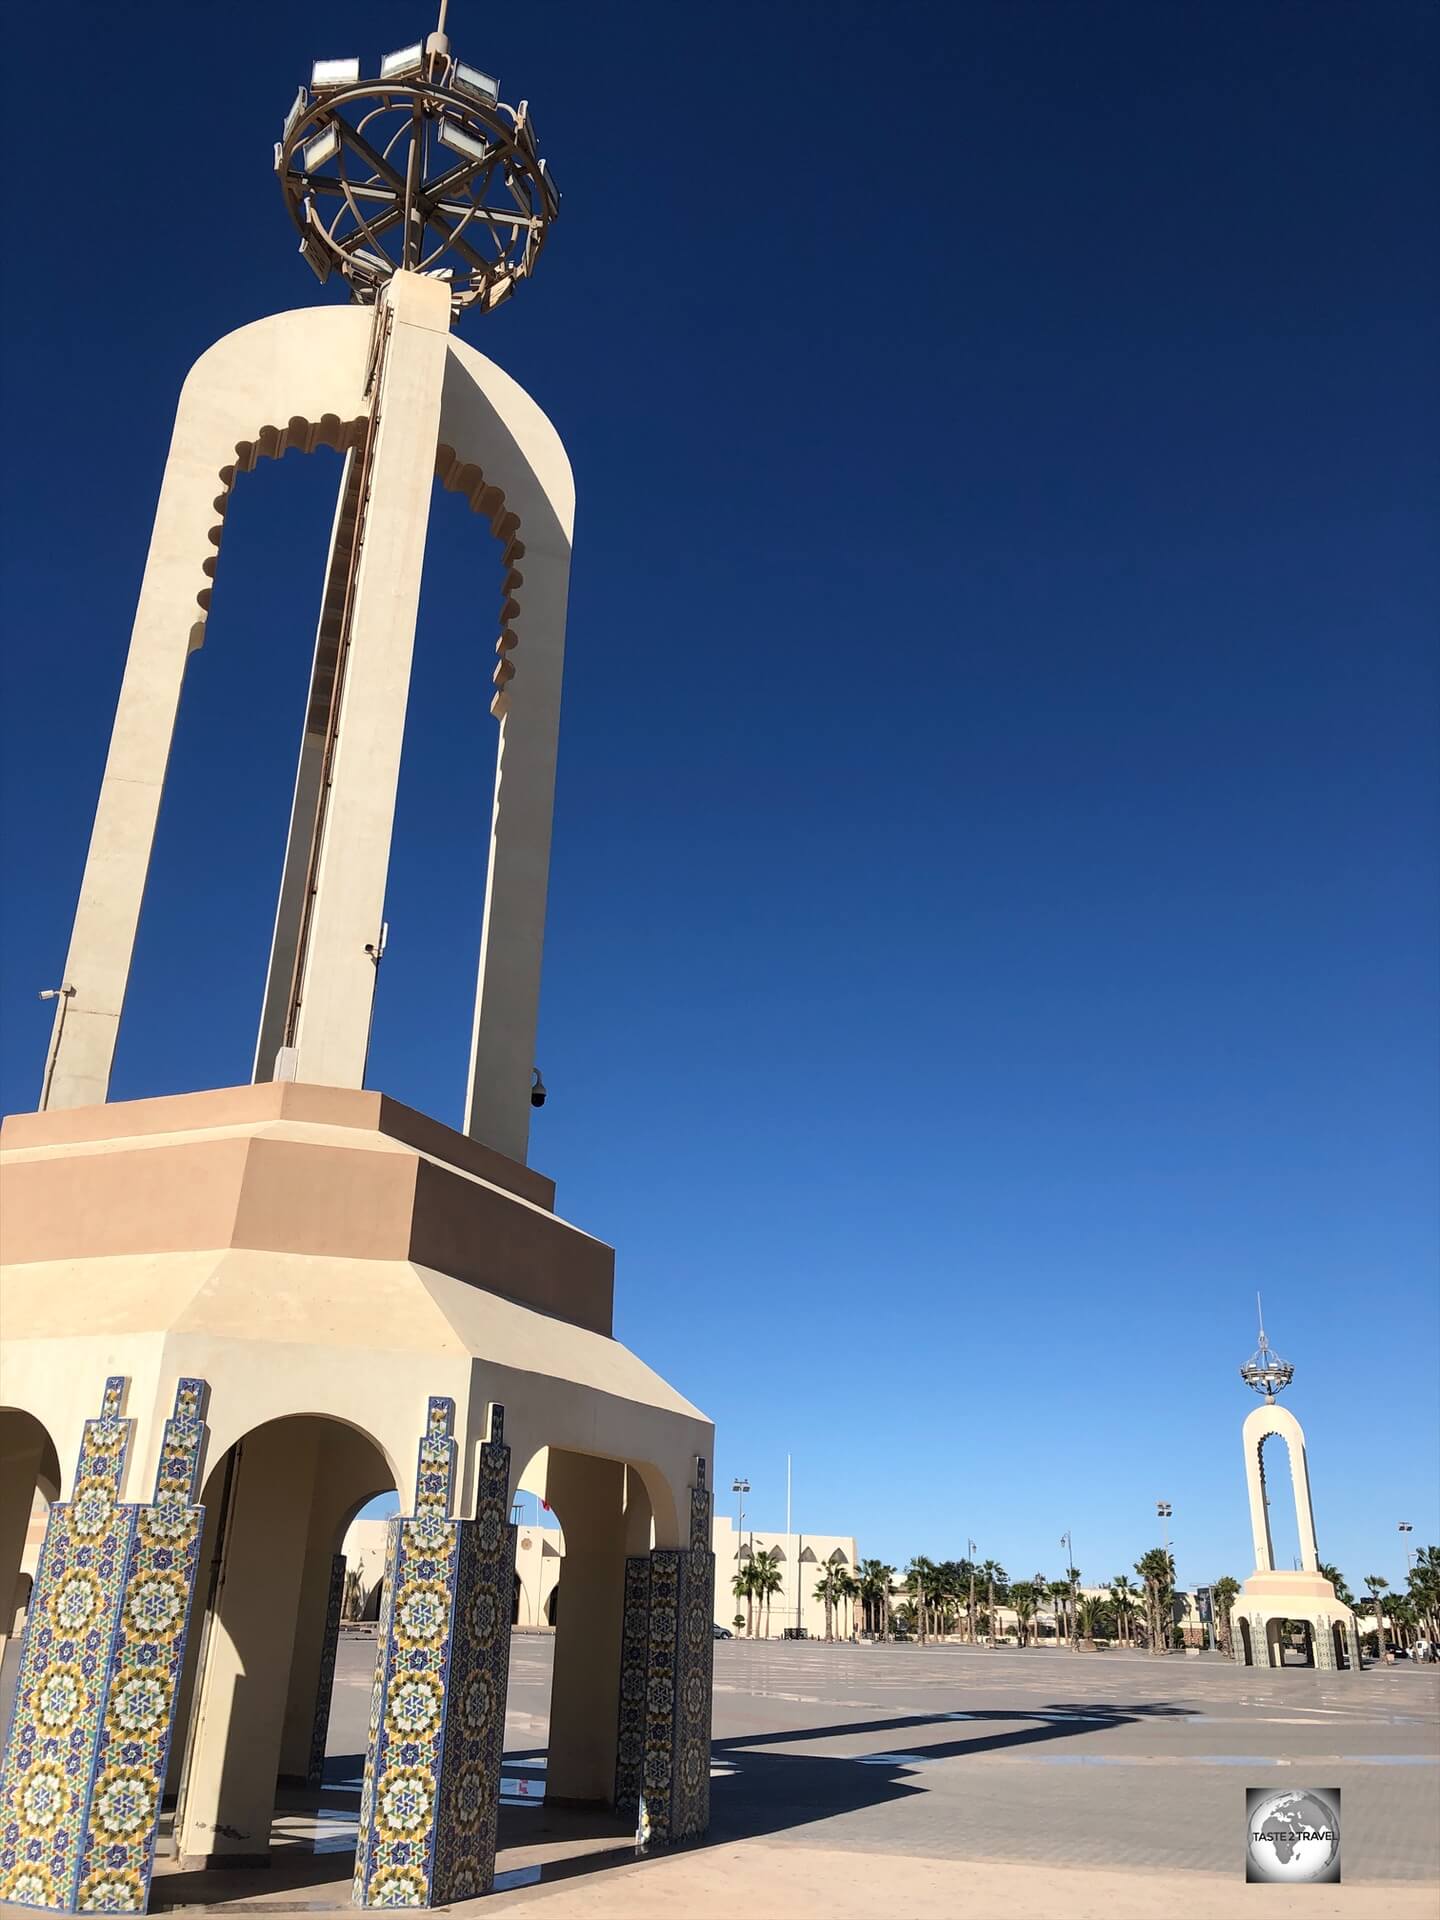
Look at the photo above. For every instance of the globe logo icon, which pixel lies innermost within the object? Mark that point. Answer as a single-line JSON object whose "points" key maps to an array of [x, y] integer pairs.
{"points": [[1293, 1836]]}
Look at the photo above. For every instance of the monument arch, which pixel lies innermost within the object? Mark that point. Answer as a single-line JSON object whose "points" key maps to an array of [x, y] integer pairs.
{"points": [[237, 1309]]}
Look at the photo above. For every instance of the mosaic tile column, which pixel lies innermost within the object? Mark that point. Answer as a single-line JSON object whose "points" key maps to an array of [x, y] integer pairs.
{"points": [[431, 1798], [84, 1766], [667, 1653], [325, 1683]]}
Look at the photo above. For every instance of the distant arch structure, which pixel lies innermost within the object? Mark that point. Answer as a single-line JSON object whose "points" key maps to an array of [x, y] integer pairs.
{"points": [[1274, 1596]]}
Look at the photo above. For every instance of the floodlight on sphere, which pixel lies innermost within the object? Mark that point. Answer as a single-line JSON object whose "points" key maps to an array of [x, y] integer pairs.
{"points": [[424, 170], [1266, 1373]]}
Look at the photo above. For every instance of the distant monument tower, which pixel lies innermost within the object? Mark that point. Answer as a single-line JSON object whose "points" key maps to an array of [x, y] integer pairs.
{"points": [[234, 1317], [1272, 1596]]}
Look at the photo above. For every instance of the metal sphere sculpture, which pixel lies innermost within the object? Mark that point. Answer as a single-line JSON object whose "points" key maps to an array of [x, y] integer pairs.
{"points": [[1265, 1372], [423, 168]]}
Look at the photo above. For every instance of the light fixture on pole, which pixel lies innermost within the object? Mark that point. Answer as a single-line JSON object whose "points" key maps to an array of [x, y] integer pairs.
{"points": [[740, 1488], [1404, 1527], [1070, 1572]]}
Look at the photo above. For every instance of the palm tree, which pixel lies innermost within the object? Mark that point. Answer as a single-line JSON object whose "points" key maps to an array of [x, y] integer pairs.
{"points": [[1072, 1575], [1222, 1597], [1060, 1601], [1157, 1569], [1337, 1581], [1375, 1586], [875, 1578], [1022, 1599], [1424, 1585], [848, 1588], [825, 1590], [1122, 1599], [994, 1575], [920, 1584], [835, 1584], [743, 1588], [1042, 1589], [1402, 1618], [768, 1580], [1090, 1617]]}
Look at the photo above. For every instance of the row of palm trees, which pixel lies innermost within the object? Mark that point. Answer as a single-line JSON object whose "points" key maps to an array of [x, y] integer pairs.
{"points": [[948, 1596], [1402, 1617]]}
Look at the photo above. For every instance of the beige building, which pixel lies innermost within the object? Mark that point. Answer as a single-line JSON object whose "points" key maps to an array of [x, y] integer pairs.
{"points": [[801, 1560], [540, 1565]]}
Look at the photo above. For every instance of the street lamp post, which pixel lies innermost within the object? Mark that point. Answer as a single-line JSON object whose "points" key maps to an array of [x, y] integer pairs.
{"points": [[739, 1488], [1070, 1571], [1403, 1527], [970, 1549], [1162, 1513]]}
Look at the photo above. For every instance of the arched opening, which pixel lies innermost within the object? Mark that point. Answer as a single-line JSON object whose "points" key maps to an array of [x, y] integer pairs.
{"points": [[1277, 1488], [201, 951], [272, 1715], [589, 1513], [29, 1487], [1247, 1647], [435, 892]]}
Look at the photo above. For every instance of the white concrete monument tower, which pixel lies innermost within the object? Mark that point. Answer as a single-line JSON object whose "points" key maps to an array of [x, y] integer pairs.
{"points": [[233, 1317], [1273, 1595]]}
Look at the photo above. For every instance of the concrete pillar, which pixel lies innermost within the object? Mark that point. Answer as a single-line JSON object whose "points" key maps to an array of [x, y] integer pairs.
{"points": [[22, 1448], [230, 1784], [589, 1496], [338, 977], [167, 625]]}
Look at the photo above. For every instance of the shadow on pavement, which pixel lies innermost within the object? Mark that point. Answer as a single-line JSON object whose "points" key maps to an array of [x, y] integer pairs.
{"points": [[755, 1790]]}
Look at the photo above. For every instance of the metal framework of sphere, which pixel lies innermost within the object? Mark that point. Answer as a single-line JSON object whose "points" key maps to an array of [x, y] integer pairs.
{"points": [[1265, 1372], [423, 168]]}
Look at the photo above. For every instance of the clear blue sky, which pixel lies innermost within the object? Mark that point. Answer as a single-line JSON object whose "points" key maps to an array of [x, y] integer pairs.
{"points": [[992, 923]]}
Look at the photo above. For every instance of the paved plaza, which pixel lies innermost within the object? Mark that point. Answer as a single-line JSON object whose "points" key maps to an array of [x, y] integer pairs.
{"points": [[905, 1780]]}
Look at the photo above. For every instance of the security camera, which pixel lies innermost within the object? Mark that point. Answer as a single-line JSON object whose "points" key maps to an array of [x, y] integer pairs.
{"points": [[537, 1090]]}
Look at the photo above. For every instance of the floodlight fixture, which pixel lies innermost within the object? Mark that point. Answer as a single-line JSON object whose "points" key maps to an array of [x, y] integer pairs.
{"points": [[1265, 1372], [326, 74], [297, 107], [323, 147], [480, 86], [396, 66], [382, 156], [451, 134]]}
